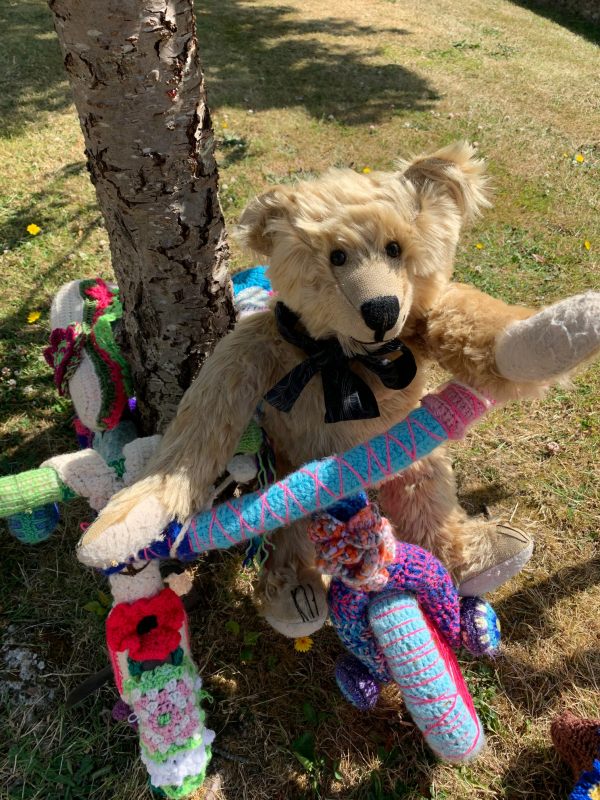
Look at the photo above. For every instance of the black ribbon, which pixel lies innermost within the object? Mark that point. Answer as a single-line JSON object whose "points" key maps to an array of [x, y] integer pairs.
{"points": [[346, 395]]}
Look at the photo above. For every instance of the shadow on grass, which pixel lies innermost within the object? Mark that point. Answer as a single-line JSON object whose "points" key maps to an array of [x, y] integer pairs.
{"points": [[265, 58], [576, 24], [524, 614], [32, 76], [545, 776]]}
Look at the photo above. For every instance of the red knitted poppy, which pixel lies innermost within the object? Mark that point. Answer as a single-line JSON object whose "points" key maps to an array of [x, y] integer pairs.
{"points": [[149, 628]]}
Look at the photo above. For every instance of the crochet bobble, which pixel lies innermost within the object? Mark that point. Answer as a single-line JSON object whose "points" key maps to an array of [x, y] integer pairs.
{"points": [[479, 627]]}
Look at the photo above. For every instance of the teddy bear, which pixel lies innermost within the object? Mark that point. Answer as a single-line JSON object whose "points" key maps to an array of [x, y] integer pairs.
{"points": [[363, 302]]}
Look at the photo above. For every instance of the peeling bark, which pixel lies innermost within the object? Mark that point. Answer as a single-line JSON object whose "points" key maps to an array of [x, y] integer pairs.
{"points": [[139, 92]]}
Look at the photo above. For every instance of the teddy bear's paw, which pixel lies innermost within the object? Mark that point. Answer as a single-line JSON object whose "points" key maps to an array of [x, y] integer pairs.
{"points": [[552, 342], [110, 541], [507, 550], [297, 605]]}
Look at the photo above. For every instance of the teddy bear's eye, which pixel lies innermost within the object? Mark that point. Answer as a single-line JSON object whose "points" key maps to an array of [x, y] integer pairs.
{"points": [[393, 249], [337, 257]]}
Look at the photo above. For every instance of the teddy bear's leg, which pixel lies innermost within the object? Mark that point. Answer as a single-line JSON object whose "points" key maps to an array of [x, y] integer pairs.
{"points": [[290, 592], [422, 505]]}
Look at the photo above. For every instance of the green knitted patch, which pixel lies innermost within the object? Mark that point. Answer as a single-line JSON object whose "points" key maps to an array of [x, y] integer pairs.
{"points": [[30, 490]]}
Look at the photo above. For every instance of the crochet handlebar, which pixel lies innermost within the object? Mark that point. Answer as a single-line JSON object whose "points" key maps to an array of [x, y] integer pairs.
{"points": [[443, 415], [31, 489]]}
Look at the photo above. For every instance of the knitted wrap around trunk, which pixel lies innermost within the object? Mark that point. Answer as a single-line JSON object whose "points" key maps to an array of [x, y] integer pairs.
{"points": [[139, 93]]}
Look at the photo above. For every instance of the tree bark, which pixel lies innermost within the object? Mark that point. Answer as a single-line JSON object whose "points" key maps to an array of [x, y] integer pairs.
{"points": [[139, 91]]}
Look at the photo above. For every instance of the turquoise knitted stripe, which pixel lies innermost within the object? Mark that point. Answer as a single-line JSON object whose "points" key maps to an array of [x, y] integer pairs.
{"points": [[428, 676], [317, 485]]}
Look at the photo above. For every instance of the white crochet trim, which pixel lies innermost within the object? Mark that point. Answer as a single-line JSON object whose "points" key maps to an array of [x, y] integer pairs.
{"points": [[137, 454], [87, 474], [179, 538], [251, 300], [174, 770], [552, 342]]}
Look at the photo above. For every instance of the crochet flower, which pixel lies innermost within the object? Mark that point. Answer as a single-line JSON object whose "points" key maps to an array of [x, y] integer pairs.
{"points": [[168, 716], [588, 785], [303, 644], [148, 628], [64, 354], [357, 551]]}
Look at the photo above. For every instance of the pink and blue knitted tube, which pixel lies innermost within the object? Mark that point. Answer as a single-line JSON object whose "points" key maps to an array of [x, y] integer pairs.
{"points": [[425, 669], [319, 484]]}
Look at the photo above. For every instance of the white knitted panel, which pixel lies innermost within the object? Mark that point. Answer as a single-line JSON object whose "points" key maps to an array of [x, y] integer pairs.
{"points": [[146, 583], [137, 454], [67, 306], [86, 393], [87, 474], [101, 547]]}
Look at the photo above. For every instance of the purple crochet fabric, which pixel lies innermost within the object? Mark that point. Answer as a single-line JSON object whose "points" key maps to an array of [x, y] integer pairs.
{"points": [[415, 570], [356, 683]]}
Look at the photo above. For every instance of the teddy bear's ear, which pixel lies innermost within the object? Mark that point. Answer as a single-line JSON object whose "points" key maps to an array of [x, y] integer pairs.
{"points": [[258, 221], [452, 172]]}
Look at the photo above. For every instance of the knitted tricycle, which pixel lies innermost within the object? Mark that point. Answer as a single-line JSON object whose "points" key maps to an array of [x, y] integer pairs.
{"points": [[379, 587]]}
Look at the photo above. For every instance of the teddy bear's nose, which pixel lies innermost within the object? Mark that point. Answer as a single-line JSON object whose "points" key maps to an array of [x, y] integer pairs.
{"points": [[381, 313]]}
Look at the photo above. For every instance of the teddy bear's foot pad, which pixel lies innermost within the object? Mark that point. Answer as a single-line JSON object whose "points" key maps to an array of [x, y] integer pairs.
{"points": [[511, 549], [298, 608]]}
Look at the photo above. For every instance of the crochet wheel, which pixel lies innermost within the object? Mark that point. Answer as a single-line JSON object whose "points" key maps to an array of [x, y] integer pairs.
{"points": [[428, 675]]}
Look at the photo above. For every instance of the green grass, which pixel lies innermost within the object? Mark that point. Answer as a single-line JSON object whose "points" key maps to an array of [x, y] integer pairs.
{"points": [[294, 89]]}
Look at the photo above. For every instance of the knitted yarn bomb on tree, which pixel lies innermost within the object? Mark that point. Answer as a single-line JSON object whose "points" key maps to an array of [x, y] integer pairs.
{"points": [[86, 360]]}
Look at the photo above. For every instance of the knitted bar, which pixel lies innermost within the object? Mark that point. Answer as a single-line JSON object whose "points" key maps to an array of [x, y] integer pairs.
{"points": [[149, 648], [31, 489], [320, 484], [425, 669]]}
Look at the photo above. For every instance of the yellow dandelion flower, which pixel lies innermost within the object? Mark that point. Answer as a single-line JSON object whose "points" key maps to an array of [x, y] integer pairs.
{"points": [[479, 246], [366, 170], [303, 644], [595, 792], [34, 229], [579, 158], [33, 316], [224, 124], [587, 244]]}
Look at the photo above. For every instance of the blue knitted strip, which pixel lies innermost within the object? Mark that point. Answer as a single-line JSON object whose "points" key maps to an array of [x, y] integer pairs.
{"points": [[254, 276], [428, 679], [317, 485]]}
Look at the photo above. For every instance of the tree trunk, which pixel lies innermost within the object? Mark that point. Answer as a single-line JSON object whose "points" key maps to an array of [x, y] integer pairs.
{"points": [[139, 92]]}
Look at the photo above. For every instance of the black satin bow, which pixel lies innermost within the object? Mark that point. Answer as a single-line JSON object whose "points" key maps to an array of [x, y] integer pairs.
{"points": [[346, 395]]}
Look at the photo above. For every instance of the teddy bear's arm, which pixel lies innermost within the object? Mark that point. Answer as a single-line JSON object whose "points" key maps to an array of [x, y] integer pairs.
{"points": [[197, 445], [510, 351]]}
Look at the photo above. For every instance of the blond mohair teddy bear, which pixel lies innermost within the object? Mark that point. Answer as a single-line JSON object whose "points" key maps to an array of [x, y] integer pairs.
{"points": [[361, 267]]}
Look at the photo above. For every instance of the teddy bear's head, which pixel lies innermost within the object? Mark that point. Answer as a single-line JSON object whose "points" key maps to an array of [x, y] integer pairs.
{"points": [[360, 256]]}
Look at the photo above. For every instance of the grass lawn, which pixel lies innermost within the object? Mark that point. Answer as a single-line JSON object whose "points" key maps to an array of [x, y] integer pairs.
{"points": [[295, 88]]}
